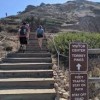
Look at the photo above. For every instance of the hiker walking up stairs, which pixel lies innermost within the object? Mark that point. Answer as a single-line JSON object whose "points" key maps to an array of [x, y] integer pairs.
{"points": [[28, 75]]}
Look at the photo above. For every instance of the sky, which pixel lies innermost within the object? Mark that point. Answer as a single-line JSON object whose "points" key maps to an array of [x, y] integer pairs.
{"points": [[11, 7]]}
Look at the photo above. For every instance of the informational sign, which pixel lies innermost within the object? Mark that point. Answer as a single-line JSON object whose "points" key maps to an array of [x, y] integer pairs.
{"points": [[78, 86], [78, 57]]}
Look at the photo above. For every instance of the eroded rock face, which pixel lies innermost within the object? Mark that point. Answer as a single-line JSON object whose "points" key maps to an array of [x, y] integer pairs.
{"points": [[83, 12], [97, 98], [61, 79], [8, 43], [61, 84], [89, 24], [77, 11]]}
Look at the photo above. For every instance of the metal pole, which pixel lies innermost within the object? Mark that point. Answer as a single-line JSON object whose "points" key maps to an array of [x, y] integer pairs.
{"points": [[58, 59]]}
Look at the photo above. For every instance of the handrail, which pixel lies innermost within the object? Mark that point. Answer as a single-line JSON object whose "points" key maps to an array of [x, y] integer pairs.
{"points": [[94, 79], [58, 52]]}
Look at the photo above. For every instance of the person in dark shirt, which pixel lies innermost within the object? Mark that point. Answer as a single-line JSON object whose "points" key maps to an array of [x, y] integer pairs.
{"points": [[23, 35]]}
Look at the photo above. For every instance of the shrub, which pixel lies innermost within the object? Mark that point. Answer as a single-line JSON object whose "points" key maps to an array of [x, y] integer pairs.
{"points": [[11, 30], [62, 41], [8, 48], [1, 28]]}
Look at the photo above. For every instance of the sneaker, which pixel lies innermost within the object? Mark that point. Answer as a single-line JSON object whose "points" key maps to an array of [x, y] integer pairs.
{"points": [[24, 47], [20, 48]]}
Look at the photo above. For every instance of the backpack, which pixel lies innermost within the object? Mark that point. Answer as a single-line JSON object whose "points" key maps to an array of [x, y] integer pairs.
{"points": [[40, 31], [23, 30]]}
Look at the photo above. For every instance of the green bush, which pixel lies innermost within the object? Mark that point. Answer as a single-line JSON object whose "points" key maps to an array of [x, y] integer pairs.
{"points": [[62, 41], [11, 29]]}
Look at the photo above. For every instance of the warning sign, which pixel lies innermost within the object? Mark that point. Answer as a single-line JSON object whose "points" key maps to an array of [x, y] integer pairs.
{"points": [[78, 86]]}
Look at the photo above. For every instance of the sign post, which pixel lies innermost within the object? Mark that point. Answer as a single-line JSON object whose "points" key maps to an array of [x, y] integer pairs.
{"points": [[78, 67]]}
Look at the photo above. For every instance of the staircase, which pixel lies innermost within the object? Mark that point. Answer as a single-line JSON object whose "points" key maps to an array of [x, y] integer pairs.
{"points": [[28, 75]]}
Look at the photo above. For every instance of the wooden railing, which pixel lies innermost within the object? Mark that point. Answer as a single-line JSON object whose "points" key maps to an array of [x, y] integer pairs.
{"points": [[94, 79], [94, 53]]}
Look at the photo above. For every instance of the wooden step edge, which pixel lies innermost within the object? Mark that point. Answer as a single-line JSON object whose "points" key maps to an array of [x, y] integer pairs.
{"points": [[27, 91], [26, 79], [24, 63], [34, 71]]}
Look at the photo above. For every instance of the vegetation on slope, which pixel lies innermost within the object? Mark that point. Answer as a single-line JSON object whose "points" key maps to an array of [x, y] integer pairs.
{"points": [[62, 41]]}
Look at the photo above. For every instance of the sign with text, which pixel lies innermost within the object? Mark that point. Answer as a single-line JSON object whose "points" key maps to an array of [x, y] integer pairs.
{"points": [[78, 87], [78, 57]]}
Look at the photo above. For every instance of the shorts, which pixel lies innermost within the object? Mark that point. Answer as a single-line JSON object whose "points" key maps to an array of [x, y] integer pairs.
{"points": [[39, 35], [23, 40]]}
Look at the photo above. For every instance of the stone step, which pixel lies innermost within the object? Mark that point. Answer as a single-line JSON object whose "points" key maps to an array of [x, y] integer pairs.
{"points": [[27, 60], [25, 66], [26, 73], [32, 36], [36, 51], [27, 94], [30, 39], [25, 83], [36, 44], [25, 55], [29, 48], [36, 41]]}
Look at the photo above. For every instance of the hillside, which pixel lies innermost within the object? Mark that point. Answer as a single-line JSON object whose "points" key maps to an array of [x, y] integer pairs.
{"points": [[77, 15], [81, 15]]}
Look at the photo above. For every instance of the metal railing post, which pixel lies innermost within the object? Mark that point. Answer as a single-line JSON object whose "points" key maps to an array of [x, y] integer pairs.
{"points": [[58, 53], [58, 59]]}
